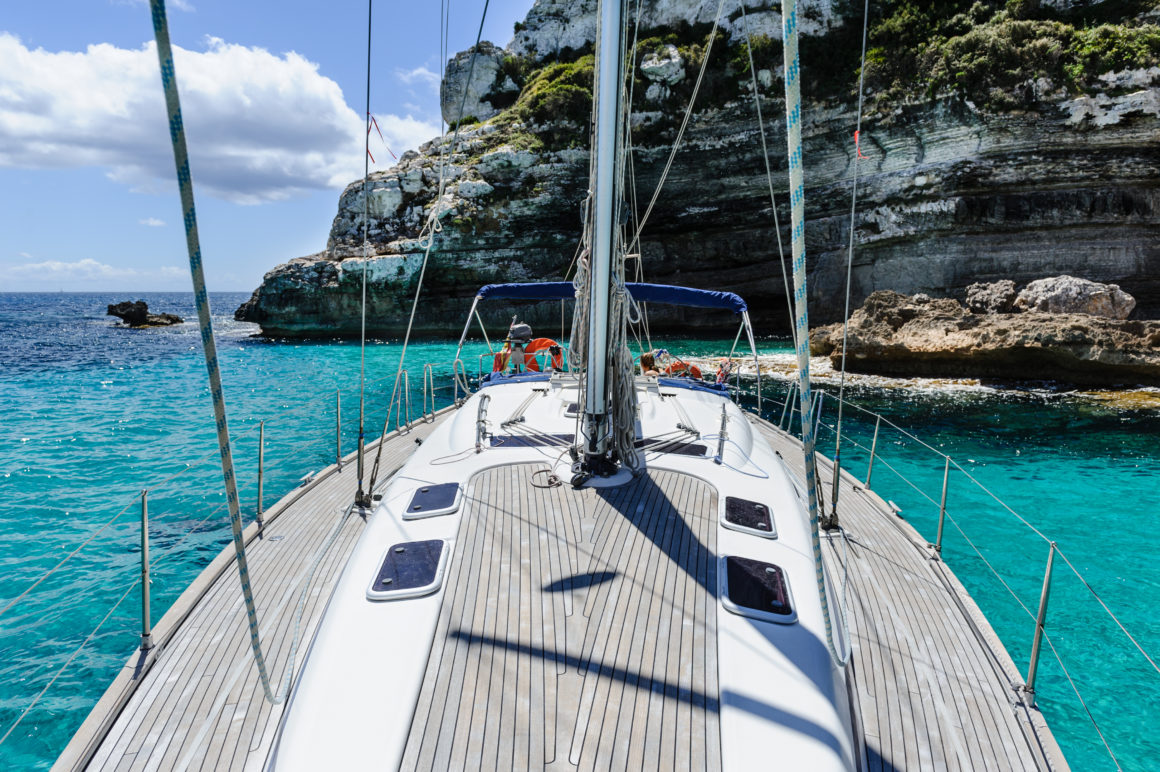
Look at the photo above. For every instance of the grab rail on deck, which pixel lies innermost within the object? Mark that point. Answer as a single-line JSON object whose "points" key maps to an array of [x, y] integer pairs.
{"points": [[150, 561], [1038, 618], [460, 381]]}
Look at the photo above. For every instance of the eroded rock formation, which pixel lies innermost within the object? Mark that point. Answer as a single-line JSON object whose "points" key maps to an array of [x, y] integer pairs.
{"points": [[1069, 295], [900, 335], [1045, 178]]}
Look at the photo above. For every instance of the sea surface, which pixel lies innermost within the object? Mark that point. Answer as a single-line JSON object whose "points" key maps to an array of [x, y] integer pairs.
{"points": [[94, 413]]}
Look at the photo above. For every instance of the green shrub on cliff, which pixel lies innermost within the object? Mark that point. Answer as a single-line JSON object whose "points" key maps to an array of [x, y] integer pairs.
{"points": [[766, 55], [986, 49], [1113, 47], [991, 59], [561, 91]]}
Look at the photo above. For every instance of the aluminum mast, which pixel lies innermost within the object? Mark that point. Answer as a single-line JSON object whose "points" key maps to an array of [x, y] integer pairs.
{"points": [[605, 230]]}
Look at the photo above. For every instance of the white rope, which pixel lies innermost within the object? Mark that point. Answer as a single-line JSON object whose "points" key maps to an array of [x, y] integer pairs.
{"points": [[798, 231], [205, 322]]}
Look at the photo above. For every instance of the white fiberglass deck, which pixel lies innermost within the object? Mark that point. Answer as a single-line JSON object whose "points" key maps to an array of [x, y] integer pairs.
{"points": [[564, 637]]}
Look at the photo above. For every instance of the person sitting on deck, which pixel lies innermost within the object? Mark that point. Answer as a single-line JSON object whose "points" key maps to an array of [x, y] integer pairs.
{"points": [[520, 348], [648, 364]]}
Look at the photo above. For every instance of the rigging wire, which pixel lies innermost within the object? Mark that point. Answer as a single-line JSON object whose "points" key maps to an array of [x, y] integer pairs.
{"points": [[68, 662], [361, 498], [768, 170], [427, 235], [681, 131], [833, 520]]}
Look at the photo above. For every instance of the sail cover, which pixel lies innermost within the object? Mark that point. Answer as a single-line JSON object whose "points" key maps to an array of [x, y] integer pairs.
{"points": [[642, 293]]}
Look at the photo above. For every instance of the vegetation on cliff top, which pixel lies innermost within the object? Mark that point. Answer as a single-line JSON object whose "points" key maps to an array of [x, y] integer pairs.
{"points": [[987, 50]]}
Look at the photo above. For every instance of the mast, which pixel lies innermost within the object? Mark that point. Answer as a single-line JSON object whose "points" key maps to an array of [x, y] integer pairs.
{"points": [[605, 230]]}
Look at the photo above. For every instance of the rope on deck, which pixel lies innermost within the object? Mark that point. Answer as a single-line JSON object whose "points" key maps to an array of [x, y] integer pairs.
{"points": [[793, 112]]}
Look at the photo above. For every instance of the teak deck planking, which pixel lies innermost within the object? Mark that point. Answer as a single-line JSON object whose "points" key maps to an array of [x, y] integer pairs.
{"points": [[596, 613]]}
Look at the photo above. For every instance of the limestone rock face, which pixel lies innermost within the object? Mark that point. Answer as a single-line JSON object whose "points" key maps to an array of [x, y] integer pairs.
{"points": [[950, 194], [1069, 295], [994, 298], [667, 67], [554, 27], [488, 90], [895, 334]]}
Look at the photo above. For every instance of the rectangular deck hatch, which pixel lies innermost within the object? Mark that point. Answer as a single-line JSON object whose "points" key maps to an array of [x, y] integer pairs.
{"points": [[752, 588], [749, 517], [531, 440], [432, 500], [410, 570], [677, 447]]}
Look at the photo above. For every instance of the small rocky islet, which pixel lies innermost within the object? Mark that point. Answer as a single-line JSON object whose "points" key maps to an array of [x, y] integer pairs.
{"points": [[136, 314], [1024, 150]]}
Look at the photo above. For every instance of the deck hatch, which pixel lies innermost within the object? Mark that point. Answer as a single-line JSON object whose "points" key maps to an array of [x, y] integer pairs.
{"points": [[410, 569], [749, 517], [431, 500], [531, 440], [756, 589], [677, 447]]}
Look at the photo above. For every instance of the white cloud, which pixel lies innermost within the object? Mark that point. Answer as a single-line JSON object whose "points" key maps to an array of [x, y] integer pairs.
{"points": [[419, 75], [89, 273], [25, 255], [82, 270], [152, 222], [260, 127]]}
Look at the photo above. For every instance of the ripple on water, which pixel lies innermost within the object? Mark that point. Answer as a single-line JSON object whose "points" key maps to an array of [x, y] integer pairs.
{"points": [[94, 415]]}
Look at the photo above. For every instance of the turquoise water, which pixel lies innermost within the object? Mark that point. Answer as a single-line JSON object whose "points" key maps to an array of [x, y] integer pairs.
{"points": [[93, 414]]}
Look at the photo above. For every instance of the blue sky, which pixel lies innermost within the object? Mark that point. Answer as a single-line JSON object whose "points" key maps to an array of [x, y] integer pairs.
{"points": [[273, 95]]}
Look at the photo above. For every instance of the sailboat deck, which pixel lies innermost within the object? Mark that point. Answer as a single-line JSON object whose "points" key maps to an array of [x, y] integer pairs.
{"points": [[936, 689], [579, 630], [195, 701], [580, 633]]}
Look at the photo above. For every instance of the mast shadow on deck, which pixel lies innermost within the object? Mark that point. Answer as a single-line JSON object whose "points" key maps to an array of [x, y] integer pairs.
{"points": [[636, 680]]}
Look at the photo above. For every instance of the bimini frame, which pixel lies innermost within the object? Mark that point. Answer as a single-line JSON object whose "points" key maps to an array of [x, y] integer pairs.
{"points": [[641, 293]]}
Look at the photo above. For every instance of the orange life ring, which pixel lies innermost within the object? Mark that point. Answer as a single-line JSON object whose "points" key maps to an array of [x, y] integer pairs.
{"points": [[680, 368], [502, 359]]}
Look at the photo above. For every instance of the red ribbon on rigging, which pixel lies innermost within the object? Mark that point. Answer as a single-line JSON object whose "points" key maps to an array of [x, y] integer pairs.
{"points": [[375, 123], [858, 145]]}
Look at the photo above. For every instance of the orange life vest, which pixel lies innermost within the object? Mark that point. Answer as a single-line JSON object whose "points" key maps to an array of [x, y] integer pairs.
{"points": [[680, 368], [530, 364]]}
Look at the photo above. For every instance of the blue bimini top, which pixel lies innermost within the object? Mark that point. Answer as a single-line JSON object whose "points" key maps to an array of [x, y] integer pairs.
{"points": [[641, 293]]}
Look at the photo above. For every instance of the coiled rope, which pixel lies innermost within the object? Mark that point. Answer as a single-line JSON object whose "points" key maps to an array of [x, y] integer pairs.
{"points": [[793, 103]]}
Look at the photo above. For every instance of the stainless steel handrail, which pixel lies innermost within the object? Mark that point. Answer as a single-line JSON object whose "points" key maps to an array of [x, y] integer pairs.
{"points": [[1039, 619]]}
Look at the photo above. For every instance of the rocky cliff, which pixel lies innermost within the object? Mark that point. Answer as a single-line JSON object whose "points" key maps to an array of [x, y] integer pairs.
{"points": [[1001, 140]]}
